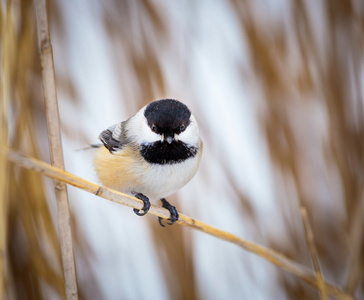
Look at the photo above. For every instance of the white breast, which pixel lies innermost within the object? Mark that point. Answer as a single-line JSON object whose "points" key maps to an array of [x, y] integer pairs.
{"points": [[160, 181]]}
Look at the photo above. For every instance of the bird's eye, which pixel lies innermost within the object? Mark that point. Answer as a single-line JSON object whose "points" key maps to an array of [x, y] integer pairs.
{"points": [[154, 128], [182, 127]]}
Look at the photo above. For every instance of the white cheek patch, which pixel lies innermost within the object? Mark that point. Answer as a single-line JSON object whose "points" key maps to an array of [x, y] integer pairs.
{"points": [[191, 135], [139, 131]]}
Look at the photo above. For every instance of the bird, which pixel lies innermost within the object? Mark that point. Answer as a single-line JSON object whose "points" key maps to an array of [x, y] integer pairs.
{"points": [[151, 155]]}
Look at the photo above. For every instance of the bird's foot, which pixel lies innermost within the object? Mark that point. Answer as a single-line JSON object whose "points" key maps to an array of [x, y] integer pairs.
{"points": [[145, 207], [172, 210]]}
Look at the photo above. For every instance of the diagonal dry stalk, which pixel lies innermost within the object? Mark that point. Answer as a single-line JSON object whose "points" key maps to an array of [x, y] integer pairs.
{"points": [[50, 97], [313, 252], [274, 257]]}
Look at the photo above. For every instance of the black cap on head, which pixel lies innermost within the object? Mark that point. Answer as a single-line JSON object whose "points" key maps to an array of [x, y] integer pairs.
{"points": [[167, 116]]}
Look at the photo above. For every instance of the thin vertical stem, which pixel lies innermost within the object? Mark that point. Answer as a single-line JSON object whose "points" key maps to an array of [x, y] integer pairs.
{"points": [[356, 236], [51, 104], [313, 251], [8, 54], [6, 38]]}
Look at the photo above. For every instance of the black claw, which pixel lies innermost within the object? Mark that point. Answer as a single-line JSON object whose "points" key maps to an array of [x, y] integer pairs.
{"points": [[172, 210], [146, 205], [160, 221]]}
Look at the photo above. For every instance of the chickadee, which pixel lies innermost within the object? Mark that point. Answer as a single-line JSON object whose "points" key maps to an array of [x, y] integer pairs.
{"points": [[152, 154]]}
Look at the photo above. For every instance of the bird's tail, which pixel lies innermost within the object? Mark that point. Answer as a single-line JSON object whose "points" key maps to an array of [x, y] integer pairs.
{"points": [[90, 146]]}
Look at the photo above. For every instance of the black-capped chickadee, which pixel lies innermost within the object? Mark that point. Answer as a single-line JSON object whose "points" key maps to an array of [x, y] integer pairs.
{"points": [[152, 154]]}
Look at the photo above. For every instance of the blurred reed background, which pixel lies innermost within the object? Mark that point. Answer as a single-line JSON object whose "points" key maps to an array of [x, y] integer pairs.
{"points": [[277, 88]]}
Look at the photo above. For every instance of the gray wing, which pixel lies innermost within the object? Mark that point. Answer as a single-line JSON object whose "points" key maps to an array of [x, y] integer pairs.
{"points": [[114, 137]]}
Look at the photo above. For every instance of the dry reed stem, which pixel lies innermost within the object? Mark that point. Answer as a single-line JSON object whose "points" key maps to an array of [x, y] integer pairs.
{"points": [[7, 48], [3, 206], [274, 257], [313, 252], [51, 105], [356, 248]]}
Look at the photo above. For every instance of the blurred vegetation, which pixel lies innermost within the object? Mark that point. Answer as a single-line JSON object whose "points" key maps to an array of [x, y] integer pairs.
{"points": [[305, 71], [32, 255], [326, 77]]}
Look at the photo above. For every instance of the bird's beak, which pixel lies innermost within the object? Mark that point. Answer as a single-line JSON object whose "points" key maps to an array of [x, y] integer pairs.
{"points": [[169, 139]]}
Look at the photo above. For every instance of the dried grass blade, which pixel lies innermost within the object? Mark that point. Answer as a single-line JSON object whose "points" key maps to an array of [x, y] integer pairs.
{"points": [[356, 262], [313, 252]]}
